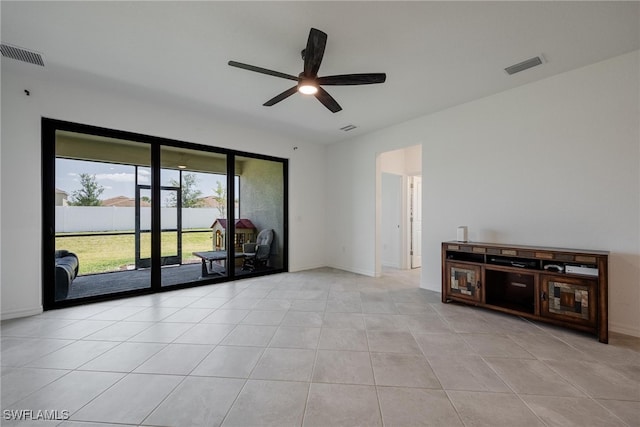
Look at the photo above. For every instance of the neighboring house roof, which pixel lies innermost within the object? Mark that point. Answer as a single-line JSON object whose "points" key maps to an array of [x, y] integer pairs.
{"points": [[240, 224], [59, 191], [211, 202], [123, 202], [208, 202]]}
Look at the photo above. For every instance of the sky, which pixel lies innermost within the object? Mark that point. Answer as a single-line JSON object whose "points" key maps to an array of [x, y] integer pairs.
{"points": [[119, 180]]}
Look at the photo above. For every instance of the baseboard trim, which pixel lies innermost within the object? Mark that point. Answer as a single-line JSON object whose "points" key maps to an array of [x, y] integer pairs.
{"points": [[306, 267], [430, 288], [24, 312], [625, 330], [397, 266], [354, 270]]}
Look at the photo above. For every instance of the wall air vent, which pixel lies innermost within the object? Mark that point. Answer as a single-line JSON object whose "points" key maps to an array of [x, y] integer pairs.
{"points": [[524, 65], [347, 128], [21, 54]]}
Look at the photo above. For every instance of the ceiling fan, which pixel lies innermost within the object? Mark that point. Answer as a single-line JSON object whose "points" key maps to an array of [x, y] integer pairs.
{"points": [[308, 81]]}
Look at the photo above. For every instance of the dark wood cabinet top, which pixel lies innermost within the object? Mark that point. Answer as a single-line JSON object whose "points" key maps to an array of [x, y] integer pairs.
{"points": [[499, 246]]}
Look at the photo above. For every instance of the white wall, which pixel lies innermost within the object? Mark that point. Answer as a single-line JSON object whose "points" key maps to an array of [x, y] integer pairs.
{"points": [[77, 100], [393, 162], [552, 163]]}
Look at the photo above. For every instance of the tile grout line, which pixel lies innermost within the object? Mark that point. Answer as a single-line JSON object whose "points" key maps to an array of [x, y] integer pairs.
{"points": [[313, 368], [373, 374]]}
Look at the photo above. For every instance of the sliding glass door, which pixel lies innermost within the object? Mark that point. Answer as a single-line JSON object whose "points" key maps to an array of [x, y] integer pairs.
{"points": [[98, 216], [125, 214], [189, 217]]}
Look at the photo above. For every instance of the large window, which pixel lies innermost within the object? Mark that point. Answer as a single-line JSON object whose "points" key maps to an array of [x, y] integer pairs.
{"points": [[127, 213]]}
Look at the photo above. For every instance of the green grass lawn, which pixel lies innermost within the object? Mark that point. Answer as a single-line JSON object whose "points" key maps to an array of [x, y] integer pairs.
{"points": [[100, 254]]}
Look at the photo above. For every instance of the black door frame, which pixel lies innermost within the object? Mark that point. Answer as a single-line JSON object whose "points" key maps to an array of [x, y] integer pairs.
{"points": [[48, 156], [164, 260]]}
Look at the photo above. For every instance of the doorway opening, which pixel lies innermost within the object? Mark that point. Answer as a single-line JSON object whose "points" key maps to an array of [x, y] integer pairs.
{"points": [[399, 209]]}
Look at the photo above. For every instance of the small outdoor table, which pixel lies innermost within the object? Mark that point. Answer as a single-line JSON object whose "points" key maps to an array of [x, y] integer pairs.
{"points": [[211, 256]]}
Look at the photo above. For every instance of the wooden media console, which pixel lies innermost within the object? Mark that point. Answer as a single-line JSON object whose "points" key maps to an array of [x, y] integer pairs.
{"points": [[565, 287]]}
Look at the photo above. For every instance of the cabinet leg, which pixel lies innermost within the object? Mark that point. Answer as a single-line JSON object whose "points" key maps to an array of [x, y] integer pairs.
{"points": [[603, 337]]}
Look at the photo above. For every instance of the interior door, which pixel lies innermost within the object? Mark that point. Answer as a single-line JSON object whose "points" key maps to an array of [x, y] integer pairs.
{"points": [[416, 221], [392, 218]]}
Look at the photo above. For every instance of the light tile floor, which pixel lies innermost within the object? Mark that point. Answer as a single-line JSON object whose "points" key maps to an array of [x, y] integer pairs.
{"points": [[316, 348]]}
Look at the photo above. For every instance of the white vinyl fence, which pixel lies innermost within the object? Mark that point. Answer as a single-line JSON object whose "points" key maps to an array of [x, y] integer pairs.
{"points": [[109, 218]]}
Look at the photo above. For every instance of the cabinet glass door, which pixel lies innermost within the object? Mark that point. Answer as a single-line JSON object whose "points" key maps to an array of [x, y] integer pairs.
{"points": [[464, 281], [569, 298]]}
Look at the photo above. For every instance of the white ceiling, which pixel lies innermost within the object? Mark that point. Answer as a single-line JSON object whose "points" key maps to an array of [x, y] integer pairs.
{"points": [[436, 54]]}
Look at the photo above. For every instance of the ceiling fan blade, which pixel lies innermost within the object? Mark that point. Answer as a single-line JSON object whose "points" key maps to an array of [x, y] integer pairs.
{"points": [[327, 100], [262, 70], [287, 93], [314, 52], [353, 79]]}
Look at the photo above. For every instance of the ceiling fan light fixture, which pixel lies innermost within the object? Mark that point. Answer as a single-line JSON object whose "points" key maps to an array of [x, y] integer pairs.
{"points": [[308, 82], [308, 87]]}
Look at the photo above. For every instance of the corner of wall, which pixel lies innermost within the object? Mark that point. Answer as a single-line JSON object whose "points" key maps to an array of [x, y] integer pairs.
{"points": [[24, 312]]}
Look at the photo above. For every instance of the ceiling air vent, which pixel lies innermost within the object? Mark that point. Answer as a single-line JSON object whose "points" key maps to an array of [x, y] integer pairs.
{"points": [[524, 65], [347, 128], [21, 54]]}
